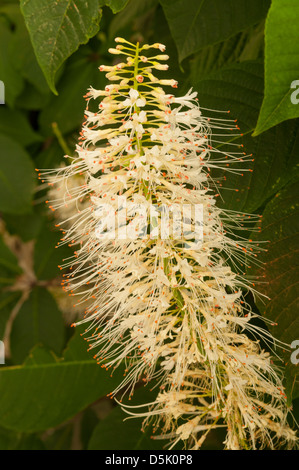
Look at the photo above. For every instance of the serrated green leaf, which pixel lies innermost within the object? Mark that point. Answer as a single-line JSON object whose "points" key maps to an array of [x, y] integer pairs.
{"points": [[246, 45], [16, 177], [281, 65], [239, 88], [39, 396], [275, 164], [39, 321], [196, 24], [57, 29]]}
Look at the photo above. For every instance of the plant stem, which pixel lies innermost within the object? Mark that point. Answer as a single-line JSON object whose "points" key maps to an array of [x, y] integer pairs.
{"points": [[61, 139]]}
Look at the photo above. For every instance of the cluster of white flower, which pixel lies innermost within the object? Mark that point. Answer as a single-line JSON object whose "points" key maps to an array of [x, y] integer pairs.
{"points": [[169, 308]]}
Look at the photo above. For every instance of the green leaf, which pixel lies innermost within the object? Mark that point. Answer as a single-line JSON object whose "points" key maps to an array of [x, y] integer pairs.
{"points": [[129, 435], [10, 440], [16, 177], [275, 164], [25, 226], [60, 438], [295, 409], [39, 321], [29, 442], [21, 49], [51, 156], [39, 355], [196, 24], [32, 99], [9, 270], [9, 74], [88, 423], [26, 60], [239, 88], [47, 255], [15, 125], [281, 65], [8, 259], [247, 45], [57, 29], [67, 109], [128, 16], [115, 5], [7, 302], [280, 283], [39, 396]]}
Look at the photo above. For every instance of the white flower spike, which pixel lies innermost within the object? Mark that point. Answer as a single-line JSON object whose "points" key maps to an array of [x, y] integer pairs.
{"points": [[169, 305]]}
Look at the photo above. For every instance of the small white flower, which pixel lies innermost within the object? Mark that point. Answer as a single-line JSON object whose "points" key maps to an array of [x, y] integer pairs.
{"points": [[133, 100]]}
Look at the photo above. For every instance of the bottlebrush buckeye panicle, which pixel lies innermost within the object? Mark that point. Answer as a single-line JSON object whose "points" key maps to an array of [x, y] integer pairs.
{"points": [[158, 263]]}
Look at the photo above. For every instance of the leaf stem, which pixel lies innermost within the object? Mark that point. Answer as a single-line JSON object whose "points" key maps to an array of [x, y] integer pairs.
{"points": [[61, 139]]}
